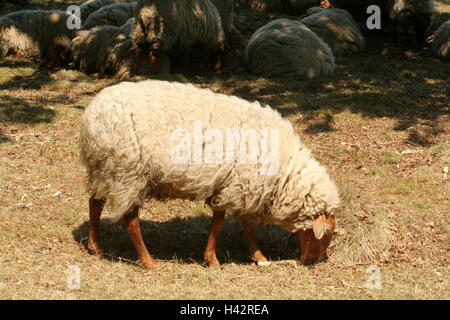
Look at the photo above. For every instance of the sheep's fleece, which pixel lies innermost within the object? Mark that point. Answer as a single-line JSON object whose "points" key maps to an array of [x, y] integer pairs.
{"points": [[109, 50], [166, 24], [34, 33], [115, 14], [338, 29], [287, 47], [441, 41], [437, 20], [131, 131], [90, 6], [424, 9], [225, 8], [293, 7]]}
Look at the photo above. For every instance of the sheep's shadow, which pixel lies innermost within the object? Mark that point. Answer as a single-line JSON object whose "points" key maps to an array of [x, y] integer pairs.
{"points": [[184, 240]]}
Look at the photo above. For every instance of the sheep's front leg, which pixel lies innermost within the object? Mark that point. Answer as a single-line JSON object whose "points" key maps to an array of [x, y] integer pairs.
{"points": [[95, 210], [131, 222], [255, 253], [218, 62], [210, 251]]}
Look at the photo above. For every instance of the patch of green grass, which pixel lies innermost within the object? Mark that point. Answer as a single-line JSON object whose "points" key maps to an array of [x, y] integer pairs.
{"points": [[391, 157]]}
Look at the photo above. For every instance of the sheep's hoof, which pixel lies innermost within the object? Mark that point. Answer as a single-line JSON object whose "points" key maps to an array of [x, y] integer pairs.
{"points": [[151, 265], [259, 257], [212, 263], [95, 250], [211, 260]]}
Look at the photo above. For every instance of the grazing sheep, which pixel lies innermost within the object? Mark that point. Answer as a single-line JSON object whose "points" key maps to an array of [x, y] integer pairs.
{"points": [[164, 24], [286, 47], [436, 21], [156, 139], [36, 34], [338, 29], [173, 25], [441, 41], [115, 14]]}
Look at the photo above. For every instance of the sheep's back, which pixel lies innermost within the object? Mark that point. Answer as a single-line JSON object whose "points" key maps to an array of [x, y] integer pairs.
{"points": [[163, 24], [441, 41], [115, 14], [33, 33], [139, 125], [338, 29], [287, 47]]}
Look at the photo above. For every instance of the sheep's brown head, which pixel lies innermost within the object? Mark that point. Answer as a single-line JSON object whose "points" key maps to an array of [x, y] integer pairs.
{"points": [[314, 242]]}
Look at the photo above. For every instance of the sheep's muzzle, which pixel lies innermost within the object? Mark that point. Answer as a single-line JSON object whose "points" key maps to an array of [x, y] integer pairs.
{"points": [[314, 242]]}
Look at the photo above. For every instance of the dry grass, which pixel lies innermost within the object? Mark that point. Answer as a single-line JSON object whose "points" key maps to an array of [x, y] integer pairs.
{"points": [[380, 124]]}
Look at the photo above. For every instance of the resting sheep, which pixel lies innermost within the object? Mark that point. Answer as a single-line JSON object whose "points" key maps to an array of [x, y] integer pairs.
{"points": [[109, 50], [338, 29], [171, 25], [36, 34], [287, 47], [156, 139], [436, 21], [400, 14], [115, 14], [441, 42]]}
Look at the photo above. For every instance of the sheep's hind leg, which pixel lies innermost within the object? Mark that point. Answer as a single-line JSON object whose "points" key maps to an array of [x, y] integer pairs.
{"points": [[131, 222], [255, 253], [95, 210], [210, 251]]}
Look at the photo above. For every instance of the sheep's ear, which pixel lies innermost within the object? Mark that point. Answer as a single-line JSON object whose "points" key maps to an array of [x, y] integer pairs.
{"points": [[319, 227]]}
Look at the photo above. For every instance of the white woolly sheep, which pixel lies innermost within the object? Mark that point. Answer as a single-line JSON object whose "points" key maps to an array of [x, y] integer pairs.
{"points": [[109, 50], [168, 25], [287, 47], [135, 142], [115, 14], [338, 29], [441, 41], [36, 34]]}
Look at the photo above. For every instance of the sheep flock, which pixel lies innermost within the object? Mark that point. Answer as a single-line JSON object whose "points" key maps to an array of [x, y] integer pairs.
{"points": [[160, 36]]}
